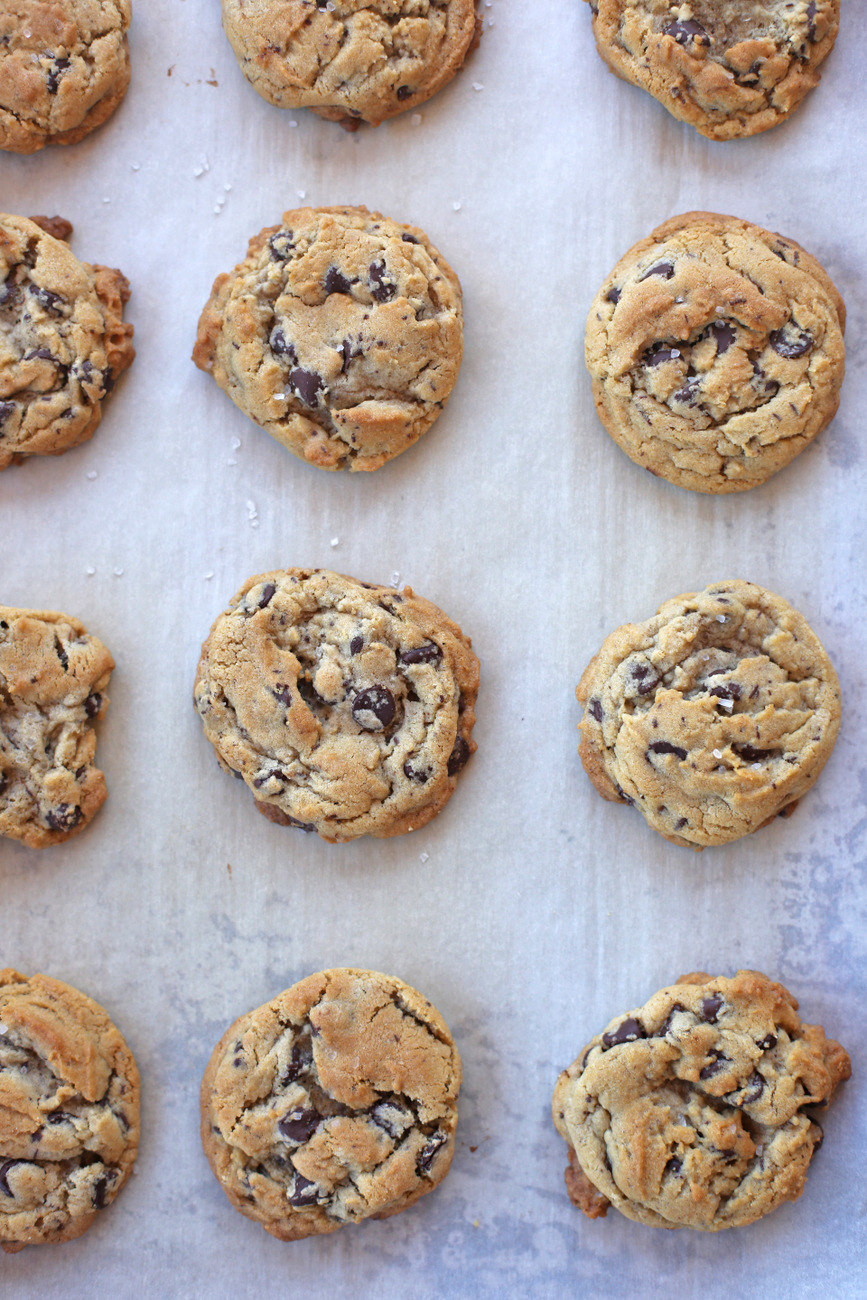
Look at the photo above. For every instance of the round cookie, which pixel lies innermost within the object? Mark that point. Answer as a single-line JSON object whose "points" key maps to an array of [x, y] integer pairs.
{"points": [[64, 68], [340, 334], [69, 1111], [711, 717], [333, 1103], [348, 60], [53, 679], [347, 708], [693, 1111], [716, 352], [63, 342], [729, 69]]}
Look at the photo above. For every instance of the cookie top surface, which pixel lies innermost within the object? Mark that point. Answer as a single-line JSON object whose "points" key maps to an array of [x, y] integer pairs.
{"points": [[350, 58], [340, 334], [347, 708], [64, 68], [69, 1111], [692, 1112], [335, 1102], [62, 341], [53, 681], [728, 67], [712, 716], [716, 352]]}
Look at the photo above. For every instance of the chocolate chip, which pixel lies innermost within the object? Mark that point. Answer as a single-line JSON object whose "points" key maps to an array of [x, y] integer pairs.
{"points": [[335, 282], [458, 757], [356, 644], [429, 1150], [304, 1192], [348, 353], [724, 335], [687, 394], [665, 1027], [307, 384], [594, 708], [663, 269], [754, 1090], [732, 691], [61, 654], [300, 1125], [100, 1187], [665, 747], [39, 354], [382, 1115], [415, 774], [283, 693], [64, 817], [409, 239], [267, 595], [680, 823], [4, 1170], [50, 301], [613, 295], [302, 1055], [280, 245], [686, 31], [4, 781], [6, 409], [628, 1031], [403, 92], [658, 356], [54, 74], [717, 1063], [710, 1008], [374, 708], [751, 755], [307, 827], [429, 653], [280, 346], [786, 346], [8, 293], [811, 24], [768, 1042], [674, 1166], [380, 289]]}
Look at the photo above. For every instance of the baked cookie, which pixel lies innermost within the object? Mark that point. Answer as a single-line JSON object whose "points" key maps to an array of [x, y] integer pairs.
{"points": [[53, 679], [341, 334], [334, 1103], [728, 67], [347, 708], [64, 68], [711, 717], [693, 1111], [716, 352], [63, 342], [348, 60], [69, 1111]]}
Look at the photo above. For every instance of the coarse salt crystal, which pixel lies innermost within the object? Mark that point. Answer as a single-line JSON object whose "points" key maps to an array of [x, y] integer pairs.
{"points": [[118, 572], [477, 85], [136, 167], [717, 753], [395, 578], [90, 570], [457, 205], [726, 704], [334, 541], [209, 575], [423, 857], [302, 194], [416, 119], [293, 122], [3, 1028], [757, 767], [92, 474], [720, 618], [236, 442]]}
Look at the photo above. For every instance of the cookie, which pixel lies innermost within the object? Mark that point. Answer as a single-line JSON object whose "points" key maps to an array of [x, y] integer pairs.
{"points": [[341, 334], [711, 717], [63, 342], [53, 679], [69, 1111], [730, 69], [347, 708], [333, 1103], [716, 352], [695, 1110], [348, 60], [64, 68]]}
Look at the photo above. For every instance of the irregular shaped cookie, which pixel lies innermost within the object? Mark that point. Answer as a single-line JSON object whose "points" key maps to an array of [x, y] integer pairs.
{"points": [[340, 334], [347, 708], [334, 1103], [348, 60], [64, 68], [728, 67], [711, 717], [69, 1111], [694, 1110], [63, 342], [716, 352], [53, 679]]}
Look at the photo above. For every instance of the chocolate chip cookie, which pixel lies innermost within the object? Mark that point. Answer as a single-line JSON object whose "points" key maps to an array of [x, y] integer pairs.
{"points": [[711, 717], [340, 334], [716, 352], [347, 708], [63, 342], [69, 1111], [728, 67], [348, 60], [64, 68], [695, 1110], [53, 679], [333, 1103]]}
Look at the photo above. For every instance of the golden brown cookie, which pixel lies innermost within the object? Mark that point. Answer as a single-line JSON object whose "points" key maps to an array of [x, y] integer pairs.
{"points": [[69, 1111], [64, 68], [711, 717], [698, 1109], [728, 67], [347, 708], [333, 1103], [716, 352]]}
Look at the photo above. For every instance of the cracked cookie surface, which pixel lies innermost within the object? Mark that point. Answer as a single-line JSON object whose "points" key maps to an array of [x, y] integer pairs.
{"points": [[347, 708], [64, 68], [63, 342], [716, 352], [53, 681], [333, 1103], [355, 60], [713, 716], [694, 1110], [69, 1111], [341, 334], [729, 68]]}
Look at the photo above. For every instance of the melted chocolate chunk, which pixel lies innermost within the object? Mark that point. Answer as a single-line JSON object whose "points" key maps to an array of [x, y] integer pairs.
{"points": [[663, 269], [348, 353], [751, 755], [267, 595], [64, 817], [613, 295], [686, 31], [409, 239], [300, 1125], [687, 395], [283, 693], [307, 384], [594, 708], [429, 1150], [40, 354], [811, 21], [724, 335], [710, 1008], [302, 1055], [665, 1027], [304, 1192], [335, 282], [674, 1166], [785, 345], [767, 1043], [429, 653], [658, 356], [458, 757], [628, 1031], [374, 708], [61, 654], [380, 288], [307, 827], [415, 774], [730, 692], [280, 245], [666, 747], [280, 345], [717, 1063], [6, 409], [382, 1115], [100, 1187], [50, 301], [356, 644], [4, 1170], [754, 1089], [403, 92], [54, 74]]}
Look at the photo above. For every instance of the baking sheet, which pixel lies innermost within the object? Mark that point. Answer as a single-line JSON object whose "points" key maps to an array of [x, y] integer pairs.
{"points": [[530, 911]]}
